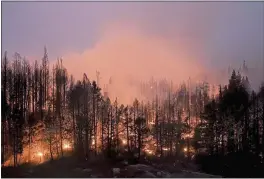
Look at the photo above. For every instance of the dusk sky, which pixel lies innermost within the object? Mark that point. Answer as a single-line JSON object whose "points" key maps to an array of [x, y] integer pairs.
{"points": [[204, 34]]}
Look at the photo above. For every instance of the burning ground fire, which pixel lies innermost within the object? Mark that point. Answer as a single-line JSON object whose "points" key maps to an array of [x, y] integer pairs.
{"points": [[37, 155], [40, 152]]}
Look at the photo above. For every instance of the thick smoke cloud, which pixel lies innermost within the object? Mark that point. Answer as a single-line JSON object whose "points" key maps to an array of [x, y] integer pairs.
{"points": [[127, 56]]}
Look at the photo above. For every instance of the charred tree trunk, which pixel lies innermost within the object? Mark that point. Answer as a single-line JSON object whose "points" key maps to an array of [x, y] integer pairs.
{"points": [[127, 130], [50, 146], [102, 129]]}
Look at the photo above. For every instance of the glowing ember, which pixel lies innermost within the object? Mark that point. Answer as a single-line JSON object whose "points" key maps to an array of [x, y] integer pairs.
{"points": [[152, 123], [93, 142], [165, 149], [124, 142], [149, 151], [185, 149], [40, 154], [186, 136], [66, 146]]}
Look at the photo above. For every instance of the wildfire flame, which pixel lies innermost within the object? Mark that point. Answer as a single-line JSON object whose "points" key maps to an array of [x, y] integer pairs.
{"points": [[149, 151], [40, 154], [151, 123], [124, 142], [66, 146]]}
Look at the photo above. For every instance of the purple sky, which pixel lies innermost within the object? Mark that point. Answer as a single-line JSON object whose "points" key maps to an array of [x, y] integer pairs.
{"points": [[221, 31]]}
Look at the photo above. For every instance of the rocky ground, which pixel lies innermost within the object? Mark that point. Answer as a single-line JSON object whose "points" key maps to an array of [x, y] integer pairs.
{"points": [[149, 171], [72, 167]]}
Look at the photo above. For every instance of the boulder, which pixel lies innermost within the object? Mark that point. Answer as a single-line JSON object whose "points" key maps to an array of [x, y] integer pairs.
{"points": [[162, 174], [116, 171], [87, 170], [140, 170], [146, 174], [140, 167]]}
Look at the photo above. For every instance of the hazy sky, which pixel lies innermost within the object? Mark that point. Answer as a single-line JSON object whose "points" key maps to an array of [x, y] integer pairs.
{"points": [[225, 30], [205, 34]]}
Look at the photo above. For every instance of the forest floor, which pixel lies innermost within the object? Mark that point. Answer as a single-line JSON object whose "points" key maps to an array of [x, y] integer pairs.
{"points": [[97, 167]]}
